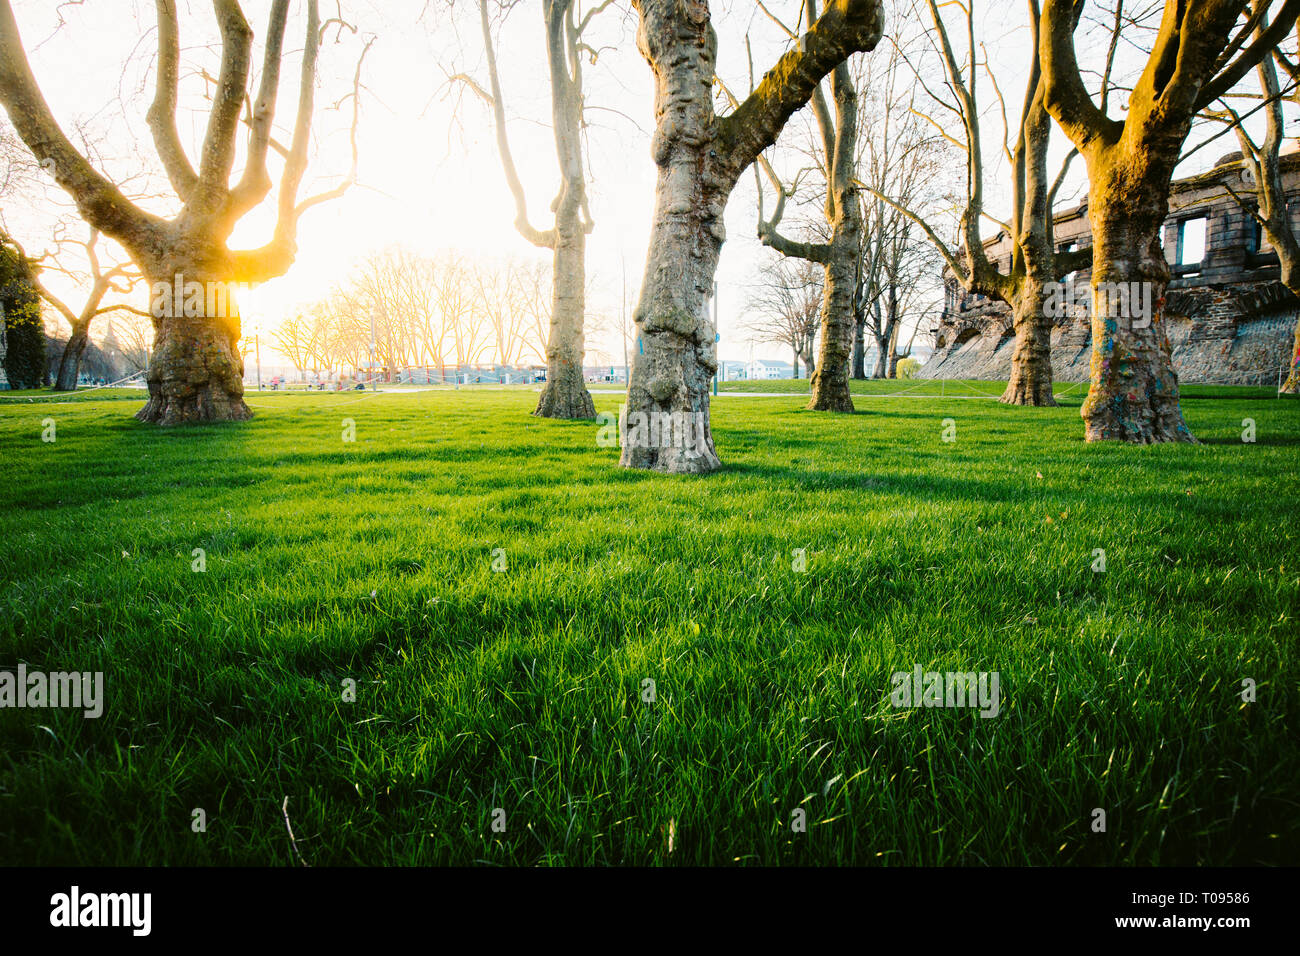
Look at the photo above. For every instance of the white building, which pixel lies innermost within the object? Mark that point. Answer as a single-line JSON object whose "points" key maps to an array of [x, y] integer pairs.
{"points": [[765, 369]]}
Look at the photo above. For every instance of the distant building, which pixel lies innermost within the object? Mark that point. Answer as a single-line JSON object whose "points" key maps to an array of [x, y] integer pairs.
{"points": [[733, 371], [768, 370], [615, 374]]}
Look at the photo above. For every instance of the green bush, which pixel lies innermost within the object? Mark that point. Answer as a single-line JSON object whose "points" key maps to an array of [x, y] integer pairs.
{"points": [[24, 359]]}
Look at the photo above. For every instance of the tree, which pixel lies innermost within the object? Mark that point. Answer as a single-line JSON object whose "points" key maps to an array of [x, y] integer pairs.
{"points": [[197, 371], [896, 266], [119, 279], [565, 394], [20, 313], [294, 339], [838, 254], [1025, 282], [128, 337], [786, 307], [1200, 52], [700, 157]]}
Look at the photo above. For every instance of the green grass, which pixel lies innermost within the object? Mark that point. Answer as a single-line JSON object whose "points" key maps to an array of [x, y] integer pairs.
{"points": [[972, 388], [522, 690]]}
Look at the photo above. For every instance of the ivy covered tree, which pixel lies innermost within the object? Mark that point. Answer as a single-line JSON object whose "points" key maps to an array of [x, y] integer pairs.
{"points": [[24, 359]]}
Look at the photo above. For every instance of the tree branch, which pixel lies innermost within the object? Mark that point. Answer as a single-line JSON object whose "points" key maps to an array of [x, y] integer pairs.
{"points": [[545, 240], [256, 182], [218, 157], [162, 114], [846, 27]]}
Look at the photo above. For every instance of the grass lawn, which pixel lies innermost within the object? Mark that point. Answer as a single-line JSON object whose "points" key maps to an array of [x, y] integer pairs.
{"points": [[971, 388], [523, 690]]}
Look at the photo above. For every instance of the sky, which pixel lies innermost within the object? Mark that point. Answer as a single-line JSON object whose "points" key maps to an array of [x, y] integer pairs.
{"points": [[430, 178]]}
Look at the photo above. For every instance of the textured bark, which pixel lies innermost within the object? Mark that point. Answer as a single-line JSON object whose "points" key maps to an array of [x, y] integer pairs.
{"points": [[700, 157], [565, 394], [677, 354], [1133, 395], [830, 382], [196, 373], [838, 256], [70, 361], [1031, 362], [1292, 384]]}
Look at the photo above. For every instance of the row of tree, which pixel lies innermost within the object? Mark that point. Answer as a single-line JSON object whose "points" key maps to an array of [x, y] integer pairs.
{"points": [[400, 309], [702, 147]]}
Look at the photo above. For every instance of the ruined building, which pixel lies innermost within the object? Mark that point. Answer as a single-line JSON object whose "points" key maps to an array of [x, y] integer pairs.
{"points": [[1228, 319]]}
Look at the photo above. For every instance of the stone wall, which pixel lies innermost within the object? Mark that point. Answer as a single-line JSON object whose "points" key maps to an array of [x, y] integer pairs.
{"points": [[1228, 319]]}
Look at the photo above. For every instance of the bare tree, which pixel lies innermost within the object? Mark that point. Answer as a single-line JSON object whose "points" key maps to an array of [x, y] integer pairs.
{"points": [[1200, 52], [197, 369], [700, 157], [294, 340], [565, 394], [1024, 283], [119, 279], [786, 307], [836, 156], [129, 338], [903, 160]]}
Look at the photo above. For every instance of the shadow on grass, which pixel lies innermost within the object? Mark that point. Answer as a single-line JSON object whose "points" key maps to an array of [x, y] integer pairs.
{"points": [[1274, 441]]}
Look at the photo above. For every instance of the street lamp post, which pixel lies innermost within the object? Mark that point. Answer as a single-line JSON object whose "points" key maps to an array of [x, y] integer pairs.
{"points": [[370, 370], [717, 337]]}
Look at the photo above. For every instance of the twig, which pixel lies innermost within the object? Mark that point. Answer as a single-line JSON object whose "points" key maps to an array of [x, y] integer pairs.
{"points": [[288, 826]]}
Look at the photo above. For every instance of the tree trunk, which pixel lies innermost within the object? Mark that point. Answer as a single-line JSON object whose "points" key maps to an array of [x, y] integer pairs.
{"points": [[565, 394], [881, 368], [700, 157], [671, 371], [70, 363], [809, 360], [196, 373], [859, 347], [1292, 384], [1031, 362], [830, 382], [1133, 395], [678, 354], [893, 363]]}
